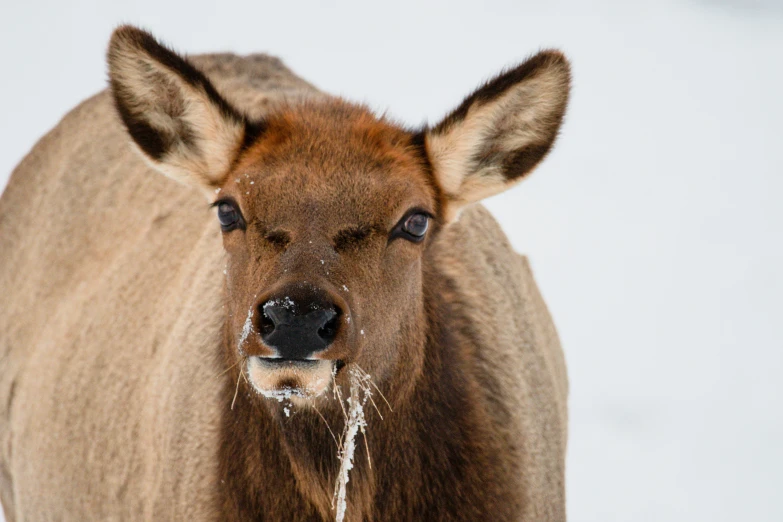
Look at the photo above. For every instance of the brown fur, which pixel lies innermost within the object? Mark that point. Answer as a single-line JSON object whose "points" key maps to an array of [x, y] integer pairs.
{"points": [[121, 348]]}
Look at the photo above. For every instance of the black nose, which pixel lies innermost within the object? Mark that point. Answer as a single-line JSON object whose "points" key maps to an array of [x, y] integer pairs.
{"points": [[297, 333]]}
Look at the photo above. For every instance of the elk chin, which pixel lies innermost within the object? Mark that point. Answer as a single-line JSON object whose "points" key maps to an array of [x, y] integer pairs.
{"points": [[297, 381]]}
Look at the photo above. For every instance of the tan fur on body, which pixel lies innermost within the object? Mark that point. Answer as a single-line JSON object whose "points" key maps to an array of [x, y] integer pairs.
{"points": [[119, 330]]}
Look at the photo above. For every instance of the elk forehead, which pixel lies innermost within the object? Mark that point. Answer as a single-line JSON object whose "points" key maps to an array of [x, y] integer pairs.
{"points": [[334, 161]]}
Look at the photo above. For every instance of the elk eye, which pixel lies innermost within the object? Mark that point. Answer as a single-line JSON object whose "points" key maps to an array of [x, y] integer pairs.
{"points": [[229, 216], [412, 227], [416, 225]]}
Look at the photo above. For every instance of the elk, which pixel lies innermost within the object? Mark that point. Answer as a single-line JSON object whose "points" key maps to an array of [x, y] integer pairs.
{"points": [[339, 332]]}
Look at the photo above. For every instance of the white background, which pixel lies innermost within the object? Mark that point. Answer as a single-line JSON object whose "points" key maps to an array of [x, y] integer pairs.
{"points": [[653, 228]]}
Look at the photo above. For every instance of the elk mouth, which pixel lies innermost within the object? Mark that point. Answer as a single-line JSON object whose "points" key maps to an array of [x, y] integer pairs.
{"points": [[278, 362], [281, 362], [289, 379]]}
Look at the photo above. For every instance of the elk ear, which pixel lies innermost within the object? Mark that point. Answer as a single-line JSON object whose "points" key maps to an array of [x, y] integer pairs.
{"points": [[500, 132], [179, 121]]}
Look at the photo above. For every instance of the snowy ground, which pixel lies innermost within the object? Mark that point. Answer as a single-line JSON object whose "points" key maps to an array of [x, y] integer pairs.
{"points": [[651, 227]]}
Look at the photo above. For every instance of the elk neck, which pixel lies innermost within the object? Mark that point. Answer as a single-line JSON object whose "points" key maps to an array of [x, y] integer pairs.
{"points": [[436, 438]]}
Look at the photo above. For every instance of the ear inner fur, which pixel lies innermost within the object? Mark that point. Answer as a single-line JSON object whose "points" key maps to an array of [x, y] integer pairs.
{"points": [[500, 132], [183, 126]]}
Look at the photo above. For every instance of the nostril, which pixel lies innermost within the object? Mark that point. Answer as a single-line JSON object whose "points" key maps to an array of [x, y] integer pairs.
{"points": [[265, 324], [328, 331]]}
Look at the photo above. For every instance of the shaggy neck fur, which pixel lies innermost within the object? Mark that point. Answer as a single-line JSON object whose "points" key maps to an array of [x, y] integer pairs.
{"points": [[435, 457]]}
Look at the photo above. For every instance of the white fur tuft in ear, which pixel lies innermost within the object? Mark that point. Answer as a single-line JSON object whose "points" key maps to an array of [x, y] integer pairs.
{"points": [[183, 127], [500, 132]]}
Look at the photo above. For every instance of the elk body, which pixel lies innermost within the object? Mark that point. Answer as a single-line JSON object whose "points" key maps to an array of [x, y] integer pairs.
{"points": [[159, 362]]}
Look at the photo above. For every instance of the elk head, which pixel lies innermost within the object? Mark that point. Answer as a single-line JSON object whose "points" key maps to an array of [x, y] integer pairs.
{"points": [[326, 210]]}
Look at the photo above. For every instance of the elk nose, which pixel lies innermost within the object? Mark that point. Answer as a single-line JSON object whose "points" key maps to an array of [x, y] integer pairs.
{"points": [[297, 335]]}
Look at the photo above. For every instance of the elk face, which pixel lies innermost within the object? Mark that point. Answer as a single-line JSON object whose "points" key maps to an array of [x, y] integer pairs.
{"points": [[325, 209], [324, 225]]}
